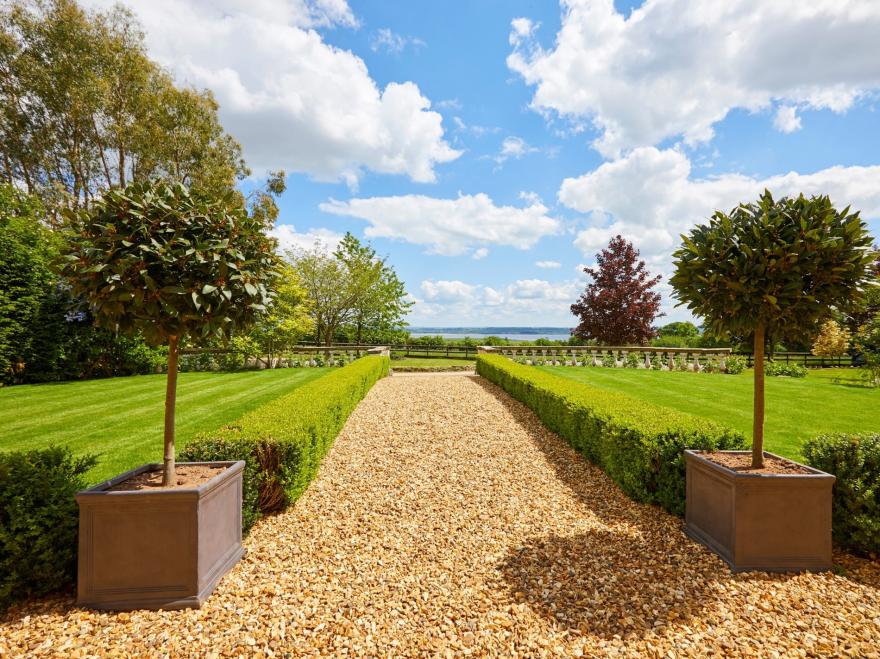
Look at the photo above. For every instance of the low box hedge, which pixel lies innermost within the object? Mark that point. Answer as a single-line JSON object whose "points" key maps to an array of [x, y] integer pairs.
{"points": [[855, 461], [39, 520], [283, 441], [638, 444]]}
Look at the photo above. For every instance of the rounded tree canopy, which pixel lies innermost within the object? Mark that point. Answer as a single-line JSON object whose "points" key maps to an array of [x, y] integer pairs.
{"points": [[777, 264], [165, 260]]}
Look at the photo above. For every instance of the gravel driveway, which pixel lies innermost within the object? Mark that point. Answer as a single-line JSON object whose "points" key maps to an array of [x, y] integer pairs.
{"points": [[447, 520]]}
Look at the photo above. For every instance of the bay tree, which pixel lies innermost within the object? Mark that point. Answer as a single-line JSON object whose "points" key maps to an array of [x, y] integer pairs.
{"points": [[171, 263], [772, 268]]}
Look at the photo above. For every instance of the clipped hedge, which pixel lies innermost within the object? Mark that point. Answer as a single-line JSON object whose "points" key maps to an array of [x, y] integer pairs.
{"points": [[638, 444], [855, 461], [39, 520], [283, 441]]}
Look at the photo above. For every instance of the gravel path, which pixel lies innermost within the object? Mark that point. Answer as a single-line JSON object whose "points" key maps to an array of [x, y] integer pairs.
{"points": [[447, 520]]}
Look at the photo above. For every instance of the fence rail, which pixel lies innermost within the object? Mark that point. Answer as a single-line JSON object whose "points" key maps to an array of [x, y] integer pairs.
{"points": [[807, 359]]}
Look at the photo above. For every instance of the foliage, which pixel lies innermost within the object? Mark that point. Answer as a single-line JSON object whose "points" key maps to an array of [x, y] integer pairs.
{"points": [[170, 263], [772, 269], [287, 320], [639, 445], [618, 307], [682, 329], [787, 369], [284, 441], [867, 342], [38, 520], [777, 264], [82, 108], [609, 360], [832, 341], [383, 303], [352, 293], [634, 359], [734, 364], [26, 251], [672, 341], [855, 461]]}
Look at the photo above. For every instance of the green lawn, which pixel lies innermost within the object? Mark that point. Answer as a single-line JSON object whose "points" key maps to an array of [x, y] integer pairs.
{"points": [[121, 419], [828, 400], [431, 362]]}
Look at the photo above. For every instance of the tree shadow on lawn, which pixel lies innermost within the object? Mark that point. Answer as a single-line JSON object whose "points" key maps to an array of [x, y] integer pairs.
{"points": [[634, 572]]}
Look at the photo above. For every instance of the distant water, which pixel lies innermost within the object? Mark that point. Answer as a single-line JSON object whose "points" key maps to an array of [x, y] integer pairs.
{"points": [[512, 333]]}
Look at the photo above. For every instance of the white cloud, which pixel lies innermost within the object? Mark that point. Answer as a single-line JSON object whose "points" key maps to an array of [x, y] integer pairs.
{"points": [[521, 29], [513, 147], [289, 238], [650, 198], [676, 67], [391, 42], [293, 100], [444, 291], [478, 131], [480, 253], [449, 104], [548, 264], [524, 301], [449, 226], [786, 119]]}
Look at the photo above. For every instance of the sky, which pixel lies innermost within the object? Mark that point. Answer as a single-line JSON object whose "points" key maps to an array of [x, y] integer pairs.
{"points": [[489, 149]]}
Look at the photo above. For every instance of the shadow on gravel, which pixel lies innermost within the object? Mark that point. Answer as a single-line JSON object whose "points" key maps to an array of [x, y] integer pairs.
{"points": [[634, 572]]}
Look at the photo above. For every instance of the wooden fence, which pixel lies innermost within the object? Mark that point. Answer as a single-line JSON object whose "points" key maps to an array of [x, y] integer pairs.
{"points": [[806, 359]]}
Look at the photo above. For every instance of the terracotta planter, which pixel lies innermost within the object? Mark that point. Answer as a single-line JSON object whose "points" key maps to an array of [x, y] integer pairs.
{"points": [[767, 522], [160, 548]]}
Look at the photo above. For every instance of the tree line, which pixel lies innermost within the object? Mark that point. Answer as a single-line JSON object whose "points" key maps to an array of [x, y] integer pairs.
{"points": [[84, 111]]}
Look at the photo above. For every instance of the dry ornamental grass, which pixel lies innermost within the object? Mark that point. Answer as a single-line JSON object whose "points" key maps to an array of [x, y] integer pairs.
{"points": [[447, 521]]}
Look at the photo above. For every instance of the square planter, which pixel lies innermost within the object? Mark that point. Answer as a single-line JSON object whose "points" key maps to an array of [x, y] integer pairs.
{"points": [[158, 548], [766, 522]]}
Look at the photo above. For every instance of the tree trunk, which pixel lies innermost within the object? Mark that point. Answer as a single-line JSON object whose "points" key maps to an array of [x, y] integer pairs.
{"points": [[758, 425], [168, 476]]}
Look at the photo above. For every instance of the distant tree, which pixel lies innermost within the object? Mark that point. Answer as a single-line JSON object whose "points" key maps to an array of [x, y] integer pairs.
{"points": [[26, 251], [685, 329], [867, 342], [332, 293], [381, 308], [83, 108], [618, 307], [832, 341], [170, 263], [350, 290], [772, 268], [288, 318]]}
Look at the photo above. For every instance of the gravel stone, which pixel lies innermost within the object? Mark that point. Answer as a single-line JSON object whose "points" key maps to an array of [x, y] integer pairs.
{"points": [[448, 521]]}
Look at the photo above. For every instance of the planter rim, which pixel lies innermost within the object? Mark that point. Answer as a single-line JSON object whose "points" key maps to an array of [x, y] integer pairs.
{"points": [[100, 490], [699, 455]]}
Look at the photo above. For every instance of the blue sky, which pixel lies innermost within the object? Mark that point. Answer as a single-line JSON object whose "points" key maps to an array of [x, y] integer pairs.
{"points": [[488, 149]]}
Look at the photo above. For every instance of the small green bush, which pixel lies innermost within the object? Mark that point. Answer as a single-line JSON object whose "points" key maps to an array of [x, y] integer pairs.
{"points": [[656, 362], [39, 520], [855, 461], [633, 359], [734, 365], [609, 360], [283, 441], [782, 368], [638, 444]]}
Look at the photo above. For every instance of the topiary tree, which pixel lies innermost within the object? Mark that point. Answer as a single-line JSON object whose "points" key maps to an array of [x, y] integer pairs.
{"points": [[171, 263], [772, 267]]}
